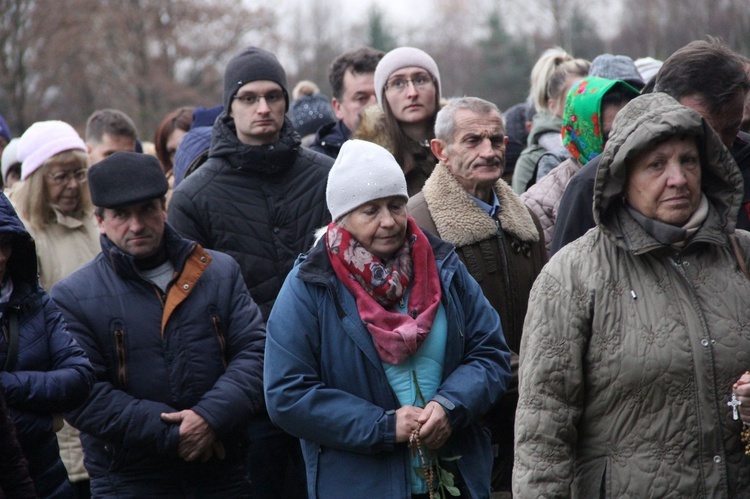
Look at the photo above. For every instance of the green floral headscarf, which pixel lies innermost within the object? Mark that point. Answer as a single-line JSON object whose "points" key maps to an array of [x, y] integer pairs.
{"points": [[581, 126]]}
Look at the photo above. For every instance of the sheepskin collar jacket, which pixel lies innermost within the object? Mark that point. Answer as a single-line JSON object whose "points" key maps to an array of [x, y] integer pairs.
{"points": [[503, 254]]}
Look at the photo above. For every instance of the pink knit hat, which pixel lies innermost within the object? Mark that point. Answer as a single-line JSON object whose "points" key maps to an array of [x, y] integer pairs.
{"points": [[44, 139]]}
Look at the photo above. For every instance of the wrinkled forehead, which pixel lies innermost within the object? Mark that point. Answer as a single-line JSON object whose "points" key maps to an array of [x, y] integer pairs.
{"points": [[468, 121]]}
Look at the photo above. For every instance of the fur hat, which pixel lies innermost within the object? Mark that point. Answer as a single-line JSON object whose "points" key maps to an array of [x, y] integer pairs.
{"points": [[252, 64], [44, 139], [362, 172], [617, 67], [126, 178], [403, 57]]}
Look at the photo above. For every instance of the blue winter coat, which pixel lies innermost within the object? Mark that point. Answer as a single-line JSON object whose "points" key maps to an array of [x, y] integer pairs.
{"points": [[325, 383], [200, 347], [52, 373]]}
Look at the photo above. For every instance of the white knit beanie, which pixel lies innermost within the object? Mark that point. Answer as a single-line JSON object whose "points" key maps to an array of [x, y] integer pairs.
{"points": [[403, 57], [44, 139], [362, 172]]}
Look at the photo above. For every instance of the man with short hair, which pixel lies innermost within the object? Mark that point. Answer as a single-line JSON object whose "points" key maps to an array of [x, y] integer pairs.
{"points": [[466, 202], [176, 343], [704, 75], [109, 131], [351, 77], [259, 197]]}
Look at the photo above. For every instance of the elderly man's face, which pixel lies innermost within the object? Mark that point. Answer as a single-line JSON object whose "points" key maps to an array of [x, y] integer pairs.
{"points": [[664, 183], [476, 156]]}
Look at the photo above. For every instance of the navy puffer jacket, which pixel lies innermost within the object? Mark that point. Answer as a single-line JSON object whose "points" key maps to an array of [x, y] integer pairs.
{"points": [[259, 204], [198, 347], [51, 372]]}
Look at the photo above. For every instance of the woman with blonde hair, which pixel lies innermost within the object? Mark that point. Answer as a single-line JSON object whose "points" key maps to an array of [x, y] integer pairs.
{"points": [[551, 78], [53, 201]]}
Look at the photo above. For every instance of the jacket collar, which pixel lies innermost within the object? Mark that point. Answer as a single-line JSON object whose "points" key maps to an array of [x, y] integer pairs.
{"points": [[633, 237], [270, 159], [177, 248], [332, 135], [448, 201]]}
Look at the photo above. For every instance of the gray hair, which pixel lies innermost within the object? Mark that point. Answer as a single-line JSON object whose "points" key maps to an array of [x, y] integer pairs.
{"points": [[445, 125]]}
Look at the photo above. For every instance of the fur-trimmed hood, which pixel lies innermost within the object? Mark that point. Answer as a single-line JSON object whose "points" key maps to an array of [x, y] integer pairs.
{"points": [[448, 202], [372, 128]]}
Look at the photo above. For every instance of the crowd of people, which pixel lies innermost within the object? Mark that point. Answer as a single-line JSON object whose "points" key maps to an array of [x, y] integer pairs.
{"points": [[392, 293]]}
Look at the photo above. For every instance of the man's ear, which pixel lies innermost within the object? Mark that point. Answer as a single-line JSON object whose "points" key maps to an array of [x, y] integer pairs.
{"points": [[100, 223], [336, 106], [440, 149]]}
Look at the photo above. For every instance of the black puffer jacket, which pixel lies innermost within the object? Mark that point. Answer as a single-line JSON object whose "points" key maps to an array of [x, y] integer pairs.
{"points": [[260, 204]]}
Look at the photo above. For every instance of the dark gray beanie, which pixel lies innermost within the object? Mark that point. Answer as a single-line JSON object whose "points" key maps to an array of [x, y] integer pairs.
{"points": [[252, 64], [126, 178]]}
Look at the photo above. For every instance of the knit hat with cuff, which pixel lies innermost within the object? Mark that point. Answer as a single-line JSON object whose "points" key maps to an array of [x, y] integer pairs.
{"points": [[403, 57], [252, 64]]}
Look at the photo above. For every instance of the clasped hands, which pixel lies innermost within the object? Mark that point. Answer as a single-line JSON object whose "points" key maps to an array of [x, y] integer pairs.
{"points": [[435, 429], [742, 391], [197, 438]]}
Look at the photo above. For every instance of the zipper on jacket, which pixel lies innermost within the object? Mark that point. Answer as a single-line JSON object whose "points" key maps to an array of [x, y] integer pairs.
{"points": [[216, 321], [120, 347], [506, 262]]}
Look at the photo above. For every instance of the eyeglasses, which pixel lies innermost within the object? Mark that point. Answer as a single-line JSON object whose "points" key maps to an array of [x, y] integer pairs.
{"points": [[399, 84], [64, 178], [271, 98]]}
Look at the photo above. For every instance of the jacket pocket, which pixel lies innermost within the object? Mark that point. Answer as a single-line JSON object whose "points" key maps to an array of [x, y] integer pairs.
{"points": [[120, 353], [218, 331]]}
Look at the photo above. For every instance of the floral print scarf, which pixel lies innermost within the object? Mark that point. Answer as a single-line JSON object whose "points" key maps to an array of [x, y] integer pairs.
{"points": [[581, 129], [378, 286]]}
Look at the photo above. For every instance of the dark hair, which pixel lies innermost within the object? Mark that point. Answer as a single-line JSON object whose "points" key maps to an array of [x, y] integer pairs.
{"points": [[618, 95], [361, 60], [180, 118], [111, 122], [707, 68], [403, 146]]}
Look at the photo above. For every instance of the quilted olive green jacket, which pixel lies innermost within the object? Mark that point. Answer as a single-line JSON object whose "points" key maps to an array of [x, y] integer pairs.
{"points": [[630, 347]]}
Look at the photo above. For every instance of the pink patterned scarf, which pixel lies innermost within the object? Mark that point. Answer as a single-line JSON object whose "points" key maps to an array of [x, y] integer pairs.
{"points": [[378, 286]]}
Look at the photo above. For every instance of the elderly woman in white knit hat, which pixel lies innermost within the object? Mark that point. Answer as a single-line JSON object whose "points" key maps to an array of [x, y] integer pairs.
{"points": [[382, 352], [407, 85], [53, 202]]}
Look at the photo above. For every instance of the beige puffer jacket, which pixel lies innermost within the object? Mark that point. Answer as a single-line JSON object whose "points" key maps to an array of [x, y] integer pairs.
{"points": [[630, 348], [544, 196]]}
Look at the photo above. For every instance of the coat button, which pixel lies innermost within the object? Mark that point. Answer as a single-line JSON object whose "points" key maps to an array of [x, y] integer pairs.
{"points": [[203, 259], [186, 286], [704, 342], [717, 459]]}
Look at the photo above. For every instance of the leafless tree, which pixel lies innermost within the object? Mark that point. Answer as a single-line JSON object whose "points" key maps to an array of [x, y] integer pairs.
{"points": [[142, 56]]}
